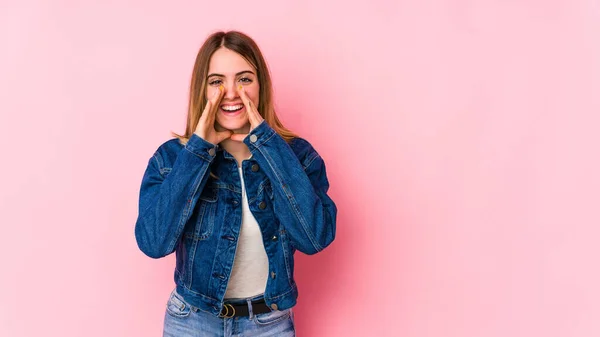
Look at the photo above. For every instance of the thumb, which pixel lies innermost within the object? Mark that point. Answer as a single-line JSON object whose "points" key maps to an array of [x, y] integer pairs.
{"points": [[222, 135]]}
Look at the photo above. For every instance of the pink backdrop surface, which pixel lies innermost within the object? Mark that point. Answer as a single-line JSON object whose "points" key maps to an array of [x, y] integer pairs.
{"points": [[460, 137]]}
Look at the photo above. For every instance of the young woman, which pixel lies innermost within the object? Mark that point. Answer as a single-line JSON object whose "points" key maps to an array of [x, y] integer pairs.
{"points": [[234, 197]]}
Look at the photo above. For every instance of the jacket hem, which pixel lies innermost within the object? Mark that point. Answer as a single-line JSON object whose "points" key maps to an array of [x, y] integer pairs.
{"points": [[197, 301]]}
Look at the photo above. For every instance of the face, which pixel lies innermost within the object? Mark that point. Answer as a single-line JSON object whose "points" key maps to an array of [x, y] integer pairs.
{"points": [[230, 69]]}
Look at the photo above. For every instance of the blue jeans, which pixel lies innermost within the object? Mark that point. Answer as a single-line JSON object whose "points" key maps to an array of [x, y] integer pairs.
{"points": [[184, 320]]}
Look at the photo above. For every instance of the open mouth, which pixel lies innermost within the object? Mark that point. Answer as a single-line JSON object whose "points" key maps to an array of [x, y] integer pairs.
{"points": [[232, 108]]}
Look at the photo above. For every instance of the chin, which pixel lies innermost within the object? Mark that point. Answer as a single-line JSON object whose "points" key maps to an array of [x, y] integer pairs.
{"points": [[233, 125]]}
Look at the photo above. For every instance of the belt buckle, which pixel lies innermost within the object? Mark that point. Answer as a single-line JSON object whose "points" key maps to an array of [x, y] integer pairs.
{"points": [[226, 315]]}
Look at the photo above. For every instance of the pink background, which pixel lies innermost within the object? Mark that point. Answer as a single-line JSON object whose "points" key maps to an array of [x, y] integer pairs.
{"points": [[460, 137]]}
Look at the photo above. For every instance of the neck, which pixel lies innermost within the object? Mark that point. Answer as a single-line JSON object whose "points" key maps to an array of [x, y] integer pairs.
{"points": [[237, 149]]}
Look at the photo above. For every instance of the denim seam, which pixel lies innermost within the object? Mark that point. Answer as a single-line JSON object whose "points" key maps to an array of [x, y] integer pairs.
{"points": [[197, 154], [158, 158], [186, 210], [237, 243], [285, 256], [199, 294], [271, 135], [191, 263], [292, 202], [228, 187], [311, 159], [211, 212], [263, 142], [260, 191], [284, 294], [195, 246], [198, 226], [286, 315]]}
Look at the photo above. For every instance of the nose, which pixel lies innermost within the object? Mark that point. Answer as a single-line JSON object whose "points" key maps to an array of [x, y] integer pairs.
{"points": [[230, 92]]}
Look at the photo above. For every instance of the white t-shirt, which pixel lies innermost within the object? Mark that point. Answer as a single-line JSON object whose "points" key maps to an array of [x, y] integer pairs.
{"points": [[251, 264]]}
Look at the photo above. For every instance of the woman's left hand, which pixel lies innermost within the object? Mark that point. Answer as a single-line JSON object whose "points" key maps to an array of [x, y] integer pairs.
{"points": [[254, 116]]}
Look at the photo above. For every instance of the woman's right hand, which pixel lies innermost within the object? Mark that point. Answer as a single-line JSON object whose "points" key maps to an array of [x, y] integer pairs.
{"points": [[206, 125]]}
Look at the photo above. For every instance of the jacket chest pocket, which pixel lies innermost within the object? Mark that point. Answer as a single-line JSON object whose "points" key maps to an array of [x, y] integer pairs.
{"points": [[265, 189], [204, 215]]}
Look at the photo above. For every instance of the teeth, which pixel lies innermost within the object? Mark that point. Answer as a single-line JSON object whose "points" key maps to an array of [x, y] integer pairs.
{"points": [[232, 107]]}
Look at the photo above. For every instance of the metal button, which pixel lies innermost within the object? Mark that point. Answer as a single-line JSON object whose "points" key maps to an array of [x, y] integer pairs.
{"points": [[211, 151], [255, 167], [273, 274], [235, 202], [262, 205], [274, 238], [274, 306], [253, 138]]}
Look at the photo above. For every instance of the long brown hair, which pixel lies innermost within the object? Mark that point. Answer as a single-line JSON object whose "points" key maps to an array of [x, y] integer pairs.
{"points": [[248, 49]]}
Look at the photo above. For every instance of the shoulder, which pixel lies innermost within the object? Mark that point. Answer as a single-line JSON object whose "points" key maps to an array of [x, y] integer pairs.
{"points": [[304, 151], [166, 153], [173, 144]]}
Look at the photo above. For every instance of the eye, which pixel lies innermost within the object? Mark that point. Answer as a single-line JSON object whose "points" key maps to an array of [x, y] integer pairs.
{"points": [[245, 80], [215, 82]]}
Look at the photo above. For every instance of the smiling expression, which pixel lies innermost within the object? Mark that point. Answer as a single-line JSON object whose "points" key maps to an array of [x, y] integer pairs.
{"points": [[230, 69]]}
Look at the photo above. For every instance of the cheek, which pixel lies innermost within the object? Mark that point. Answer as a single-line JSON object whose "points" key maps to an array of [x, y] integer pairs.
{"points": [[210, 92], [254, 95]]}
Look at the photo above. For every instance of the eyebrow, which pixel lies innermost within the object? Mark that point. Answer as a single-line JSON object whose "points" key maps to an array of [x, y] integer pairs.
{"points": [[236, 75]]}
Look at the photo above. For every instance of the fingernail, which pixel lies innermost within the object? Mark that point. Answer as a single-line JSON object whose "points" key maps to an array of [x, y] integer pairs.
{"points": [[221, 87], [240, 87]]}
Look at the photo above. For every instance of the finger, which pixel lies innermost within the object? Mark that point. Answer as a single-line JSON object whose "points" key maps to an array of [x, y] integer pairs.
{"points": [[208, 107], [222, 135], [215, 100], [253, 114], [256, 117]]}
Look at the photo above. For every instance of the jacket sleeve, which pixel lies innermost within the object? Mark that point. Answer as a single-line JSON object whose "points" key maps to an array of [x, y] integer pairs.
{"points": [[167, 199], [300, 188]]}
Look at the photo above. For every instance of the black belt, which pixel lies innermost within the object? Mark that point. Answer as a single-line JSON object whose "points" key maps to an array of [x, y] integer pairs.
{"points": [[234, 310]]}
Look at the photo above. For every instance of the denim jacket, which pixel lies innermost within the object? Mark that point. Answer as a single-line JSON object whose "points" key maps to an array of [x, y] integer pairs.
{"points": [[185, 209]]}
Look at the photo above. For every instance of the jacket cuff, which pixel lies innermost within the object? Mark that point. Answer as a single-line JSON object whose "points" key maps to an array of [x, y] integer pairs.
{"points": [[259, 136], [201, 148]]}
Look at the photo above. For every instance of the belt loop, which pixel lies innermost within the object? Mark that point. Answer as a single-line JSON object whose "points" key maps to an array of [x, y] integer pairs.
{"points": [[249, 304]]}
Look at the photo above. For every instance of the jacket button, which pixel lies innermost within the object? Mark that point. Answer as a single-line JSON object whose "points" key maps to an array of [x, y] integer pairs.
{"points": [[253, 138], [262, 205], [211, 151], [274, 238], [255, 168], [273, 275], [274, 306]]}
